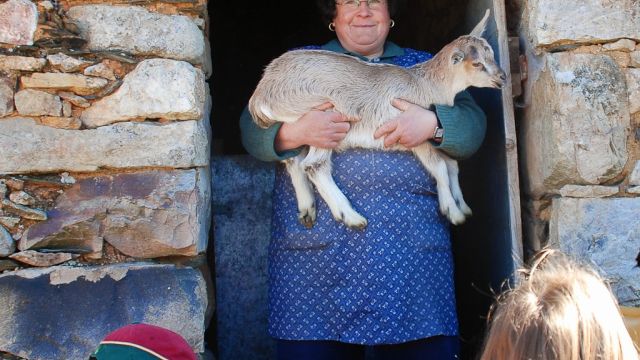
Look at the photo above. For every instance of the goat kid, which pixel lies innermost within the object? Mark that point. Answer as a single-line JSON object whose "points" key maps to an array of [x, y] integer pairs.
{"points": [[300, 80]]}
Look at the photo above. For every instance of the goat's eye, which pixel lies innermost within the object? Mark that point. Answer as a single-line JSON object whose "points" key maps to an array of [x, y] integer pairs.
{"points": [[478, 66]]}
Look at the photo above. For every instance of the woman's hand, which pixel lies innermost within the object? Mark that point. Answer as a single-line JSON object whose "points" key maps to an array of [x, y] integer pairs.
{"points": [[319, 128], [412, 127]]}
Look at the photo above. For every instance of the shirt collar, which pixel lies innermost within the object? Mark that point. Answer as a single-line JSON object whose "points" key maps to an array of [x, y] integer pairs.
{"points": [[390, 50]]}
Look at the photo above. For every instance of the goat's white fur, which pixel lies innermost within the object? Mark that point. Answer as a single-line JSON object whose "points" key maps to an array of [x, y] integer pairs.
{"points": [[299, 80]]}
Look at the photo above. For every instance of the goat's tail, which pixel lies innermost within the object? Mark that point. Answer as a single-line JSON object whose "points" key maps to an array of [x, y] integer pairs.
{"points": [[269, 107], [260, 111]]}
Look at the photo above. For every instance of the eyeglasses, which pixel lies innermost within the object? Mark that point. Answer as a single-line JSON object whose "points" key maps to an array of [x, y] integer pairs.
{"points": [[355, 4]]}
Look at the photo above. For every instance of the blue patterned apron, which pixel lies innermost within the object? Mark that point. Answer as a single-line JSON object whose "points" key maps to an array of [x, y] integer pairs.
{"points": [[391, 283]]}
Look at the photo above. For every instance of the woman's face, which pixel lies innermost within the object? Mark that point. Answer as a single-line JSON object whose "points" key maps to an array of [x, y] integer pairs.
{"points": [[363, 30]]}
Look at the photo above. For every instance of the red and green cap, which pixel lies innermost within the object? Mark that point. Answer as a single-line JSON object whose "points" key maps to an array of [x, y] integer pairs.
{"points": [[143, 342]]}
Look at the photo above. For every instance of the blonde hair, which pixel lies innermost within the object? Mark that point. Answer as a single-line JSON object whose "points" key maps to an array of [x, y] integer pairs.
{"points": [[560, 310]]}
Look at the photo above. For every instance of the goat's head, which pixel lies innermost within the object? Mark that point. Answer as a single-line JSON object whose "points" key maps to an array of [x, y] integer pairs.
{"points": [[472, 61]]}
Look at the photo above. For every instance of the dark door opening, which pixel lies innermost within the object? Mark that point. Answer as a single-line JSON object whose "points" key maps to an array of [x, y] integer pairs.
{"points": [[245, 36]]}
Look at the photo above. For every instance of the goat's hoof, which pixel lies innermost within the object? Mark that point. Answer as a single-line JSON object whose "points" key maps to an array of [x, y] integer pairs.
{"points": [[466, 210], [355, 222], [455, 216], [306, 221], [307, 217], [358, 227]]}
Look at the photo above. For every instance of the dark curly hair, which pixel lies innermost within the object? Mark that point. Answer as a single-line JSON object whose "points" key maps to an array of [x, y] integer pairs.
{"points": [[328, 8]]}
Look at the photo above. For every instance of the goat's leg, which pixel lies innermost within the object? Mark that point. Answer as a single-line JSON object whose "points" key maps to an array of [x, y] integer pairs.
{"points": [[437, 167], [454, 184], [317, 166], [303, 190]]}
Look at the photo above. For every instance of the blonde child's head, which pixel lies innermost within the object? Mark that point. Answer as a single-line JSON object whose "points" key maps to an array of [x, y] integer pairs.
{"points": [[560, 310]]}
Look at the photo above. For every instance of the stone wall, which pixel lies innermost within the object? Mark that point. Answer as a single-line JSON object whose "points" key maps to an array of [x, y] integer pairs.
{"points": [[580, 133], [104, 172]]}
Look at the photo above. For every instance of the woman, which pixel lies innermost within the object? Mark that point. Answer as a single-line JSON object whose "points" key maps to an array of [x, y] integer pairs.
{"points": [[332, 289]]}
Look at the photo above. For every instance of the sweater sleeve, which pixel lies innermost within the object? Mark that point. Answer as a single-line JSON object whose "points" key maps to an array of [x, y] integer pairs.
{"points": [[259, 142], [464, 126]]}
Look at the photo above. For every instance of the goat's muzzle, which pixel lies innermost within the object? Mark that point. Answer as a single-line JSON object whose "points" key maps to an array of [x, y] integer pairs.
{"points": [[499, 79]]}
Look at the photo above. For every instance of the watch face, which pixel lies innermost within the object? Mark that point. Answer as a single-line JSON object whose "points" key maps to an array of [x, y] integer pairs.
{"points": [[439, 133]]}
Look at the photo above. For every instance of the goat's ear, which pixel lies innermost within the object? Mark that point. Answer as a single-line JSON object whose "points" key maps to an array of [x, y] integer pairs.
{"points": [[479, 29], [457, 56]]}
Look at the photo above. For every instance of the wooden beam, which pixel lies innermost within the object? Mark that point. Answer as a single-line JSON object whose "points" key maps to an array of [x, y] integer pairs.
{"points": [[511, 142]]}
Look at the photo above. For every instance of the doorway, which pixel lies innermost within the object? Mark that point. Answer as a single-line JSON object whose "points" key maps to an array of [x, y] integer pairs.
{"points": [[244, 37]]}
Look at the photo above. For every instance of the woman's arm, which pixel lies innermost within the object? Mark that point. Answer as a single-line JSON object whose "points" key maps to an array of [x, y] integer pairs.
{"points": [[464, 126], [318, 128], [259, 142]]}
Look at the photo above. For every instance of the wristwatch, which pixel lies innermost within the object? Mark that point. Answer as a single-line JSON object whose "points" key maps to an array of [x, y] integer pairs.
{"points": [[438, 132]]}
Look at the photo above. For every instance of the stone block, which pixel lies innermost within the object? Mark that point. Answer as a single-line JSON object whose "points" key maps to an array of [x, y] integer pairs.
{"points": [[63, 312], [70, 123], [21, 63], [555, 23], [633, 86], [144, 214], [139, 31], [100, 70], [34, 148], [37, 103], [602, 232], [242, 195], [74, 99], [635, 59], [155, 89], [9, 221], [23, 211], [67, 109], [18, 22], [634, 178], [7, 88], [623, 59], [7, 244], [626, 45], [79, 84], [40, 259], [8, 264], [14, 184], [22, 198], [66, 63], [576, 129], [578, 191]]}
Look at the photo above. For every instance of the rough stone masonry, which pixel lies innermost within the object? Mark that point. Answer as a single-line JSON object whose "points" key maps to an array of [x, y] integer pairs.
{"points": [[104, 172], [580, 148]]}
